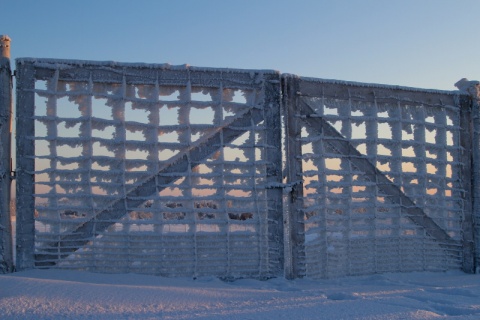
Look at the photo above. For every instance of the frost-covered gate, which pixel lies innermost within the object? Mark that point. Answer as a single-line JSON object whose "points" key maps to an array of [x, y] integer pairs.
{"points": [[381, 178], [148, 168], [177, 171]]}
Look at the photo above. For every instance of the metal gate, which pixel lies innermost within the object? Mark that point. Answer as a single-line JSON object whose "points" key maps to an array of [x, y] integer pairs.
{"points": [[385, 178], [148, 168], [185, 171]]}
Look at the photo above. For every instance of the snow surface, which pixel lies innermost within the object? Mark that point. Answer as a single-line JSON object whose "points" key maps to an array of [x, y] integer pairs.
{"points": [[54, 294]]}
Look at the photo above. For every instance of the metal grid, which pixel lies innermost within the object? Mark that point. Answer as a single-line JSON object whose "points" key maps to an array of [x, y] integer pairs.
{"points": [[176, 171], [385, 179], [153, 169]]}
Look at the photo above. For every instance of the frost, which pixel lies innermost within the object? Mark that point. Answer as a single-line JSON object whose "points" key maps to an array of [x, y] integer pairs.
{"points": [[140, 154], [170, 170], [394, 137]]}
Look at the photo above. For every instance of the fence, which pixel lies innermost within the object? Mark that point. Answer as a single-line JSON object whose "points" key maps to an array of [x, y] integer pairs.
{"points": [[184, 171]]}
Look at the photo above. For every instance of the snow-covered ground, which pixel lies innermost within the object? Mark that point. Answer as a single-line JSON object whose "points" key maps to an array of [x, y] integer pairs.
{"points": [[54, 294]]}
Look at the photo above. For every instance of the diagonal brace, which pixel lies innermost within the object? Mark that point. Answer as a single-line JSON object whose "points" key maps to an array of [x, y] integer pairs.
{"points": [[83, 233], [344, 147]]}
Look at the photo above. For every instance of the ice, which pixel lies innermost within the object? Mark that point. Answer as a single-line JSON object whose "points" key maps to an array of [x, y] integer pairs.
{"points": [[468, 86], [150, 140], [107, 133]]}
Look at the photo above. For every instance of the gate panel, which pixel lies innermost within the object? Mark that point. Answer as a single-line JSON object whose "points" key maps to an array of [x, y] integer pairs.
{"points": [[152, 168], [384, 183]]}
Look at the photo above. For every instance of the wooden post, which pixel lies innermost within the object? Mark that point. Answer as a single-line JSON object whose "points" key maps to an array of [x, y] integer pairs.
{"points": [[6, 255]]}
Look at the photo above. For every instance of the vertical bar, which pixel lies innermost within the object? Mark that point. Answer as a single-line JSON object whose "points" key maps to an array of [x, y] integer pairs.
{"points": [[469, 154], [6, 252], [294, 226], [474, 91], [273, 156], [25, 165]]}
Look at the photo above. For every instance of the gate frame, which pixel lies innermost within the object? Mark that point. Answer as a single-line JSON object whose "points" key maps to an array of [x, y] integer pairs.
{"points": [[296, 110], [269, 112]]}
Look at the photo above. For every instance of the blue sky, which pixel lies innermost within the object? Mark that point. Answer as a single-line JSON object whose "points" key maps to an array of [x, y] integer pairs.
{"points": [[417, 43]]}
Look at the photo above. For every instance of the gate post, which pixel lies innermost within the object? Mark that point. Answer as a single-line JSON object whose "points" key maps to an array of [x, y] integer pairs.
{"points": [[473, 89], [6, 255]]}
